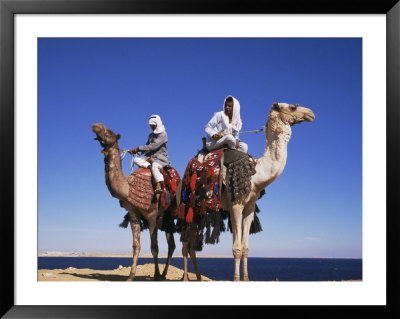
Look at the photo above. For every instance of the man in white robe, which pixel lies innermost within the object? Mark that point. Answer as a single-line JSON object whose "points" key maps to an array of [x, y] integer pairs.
{"points": [[223, 129]]}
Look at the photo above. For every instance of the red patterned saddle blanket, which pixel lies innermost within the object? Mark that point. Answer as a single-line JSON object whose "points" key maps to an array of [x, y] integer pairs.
{"points": [[201, 183], [171, 182], [141, 189]]}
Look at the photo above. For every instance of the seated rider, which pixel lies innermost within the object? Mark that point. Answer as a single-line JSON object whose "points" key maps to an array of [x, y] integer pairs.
{"points": [[223, 129], [155, 152]]}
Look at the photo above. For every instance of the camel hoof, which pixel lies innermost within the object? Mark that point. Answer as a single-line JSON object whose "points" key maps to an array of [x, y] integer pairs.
{"points": [[236, 278], [129, 279]]}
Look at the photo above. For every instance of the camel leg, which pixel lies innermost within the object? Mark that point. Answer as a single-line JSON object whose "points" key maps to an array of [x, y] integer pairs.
{"points": [[185, 251], [194, 262], [154, 250], [246, 223], [136, 249], [171, 248], [236, 214]]}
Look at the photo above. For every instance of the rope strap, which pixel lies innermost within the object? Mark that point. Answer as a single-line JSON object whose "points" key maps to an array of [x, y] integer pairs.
{"points": [[254, 131]]}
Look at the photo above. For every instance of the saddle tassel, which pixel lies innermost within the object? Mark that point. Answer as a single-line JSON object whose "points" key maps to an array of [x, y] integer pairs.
{"points": [[189, 216]]}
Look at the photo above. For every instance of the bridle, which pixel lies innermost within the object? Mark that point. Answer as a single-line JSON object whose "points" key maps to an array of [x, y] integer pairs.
{"points": [[293, 115]]}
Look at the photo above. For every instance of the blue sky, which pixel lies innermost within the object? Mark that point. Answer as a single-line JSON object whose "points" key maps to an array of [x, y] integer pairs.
{"points": [[313, 209]]}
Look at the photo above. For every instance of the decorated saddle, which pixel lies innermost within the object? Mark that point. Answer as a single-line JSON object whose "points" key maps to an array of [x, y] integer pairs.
{"points": [[141, 194], [201, 186], [239, 169], [171, 182], [140, 188], [200, 207]]}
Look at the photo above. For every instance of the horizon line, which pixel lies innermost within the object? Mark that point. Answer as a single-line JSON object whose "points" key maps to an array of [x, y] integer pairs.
{"points": [[43, 253]]}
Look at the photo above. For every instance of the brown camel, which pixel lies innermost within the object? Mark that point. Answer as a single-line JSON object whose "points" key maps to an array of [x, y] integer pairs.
{"points": [[118, 186], [268, 168]]}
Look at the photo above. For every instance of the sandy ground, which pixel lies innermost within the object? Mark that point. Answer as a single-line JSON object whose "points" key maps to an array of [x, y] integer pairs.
{"points": [[143, 273]]}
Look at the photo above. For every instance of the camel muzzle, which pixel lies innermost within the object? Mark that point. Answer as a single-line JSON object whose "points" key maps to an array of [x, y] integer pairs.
{"points": [[309, 117]]}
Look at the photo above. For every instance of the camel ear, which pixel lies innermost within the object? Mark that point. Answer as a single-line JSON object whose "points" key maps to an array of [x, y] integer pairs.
{"points": [[275, 106], [118, 136]]}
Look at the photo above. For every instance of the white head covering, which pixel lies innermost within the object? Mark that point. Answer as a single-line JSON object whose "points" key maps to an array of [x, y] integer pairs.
{"points": [[236, 122], [156, 120]]}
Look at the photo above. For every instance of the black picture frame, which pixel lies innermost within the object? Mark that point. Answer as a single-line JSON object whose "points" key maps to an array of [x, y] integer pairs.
{"points": [[8, 9]]}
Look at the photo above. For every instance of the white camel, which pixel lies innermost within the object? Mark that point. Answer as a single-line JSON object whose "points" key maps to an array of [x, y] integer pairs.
{"points": [[268, 168]]}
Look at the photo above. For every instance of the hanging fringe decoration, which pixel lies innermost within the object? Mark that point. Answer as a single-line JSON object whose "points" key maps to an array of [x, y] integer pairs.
{"points": [[189, 216], [125, 222], [171, 178], [192, 199], [240, 168], [143, 224], [184, 196], [193, 182], [215, 235], [181, 211], [200, 200], [173, 186], [200, 216], [197, 242], [208, 237], [255, 225], [230, 224], [166, 224]]}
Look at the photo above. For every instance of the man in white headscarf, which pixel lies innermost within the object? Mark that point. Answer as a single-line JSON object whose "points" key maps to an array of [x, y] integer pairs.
{"points": [[223, 129], [155, 151]]}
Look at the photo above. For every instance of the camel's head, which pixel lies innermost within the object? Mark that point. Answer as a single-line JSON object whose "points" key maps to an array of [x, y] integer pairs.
{"points": [[291, 114], [107, 138]]}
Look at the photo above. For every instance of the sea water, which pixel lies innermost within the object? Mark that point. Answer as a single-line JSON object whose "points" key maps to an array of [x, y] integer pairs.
{"points": [[260, 269]]}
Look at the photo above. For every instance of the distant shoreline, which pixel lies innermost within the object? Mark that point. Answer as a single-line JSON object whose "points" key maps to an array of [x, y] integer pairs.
{"points": [[117, 255], [129, 255]]}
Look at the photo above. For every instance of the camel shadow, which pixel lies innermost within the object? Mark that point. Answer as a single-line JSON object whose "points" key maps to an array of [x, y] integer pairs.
{"points": [[105, 277]]}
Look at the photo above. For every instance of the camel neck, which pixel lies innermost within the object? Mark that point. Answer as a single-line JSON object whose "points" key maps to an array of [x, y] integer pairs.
{"points": [[276, 144], [115, 178], [273, 161]]}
